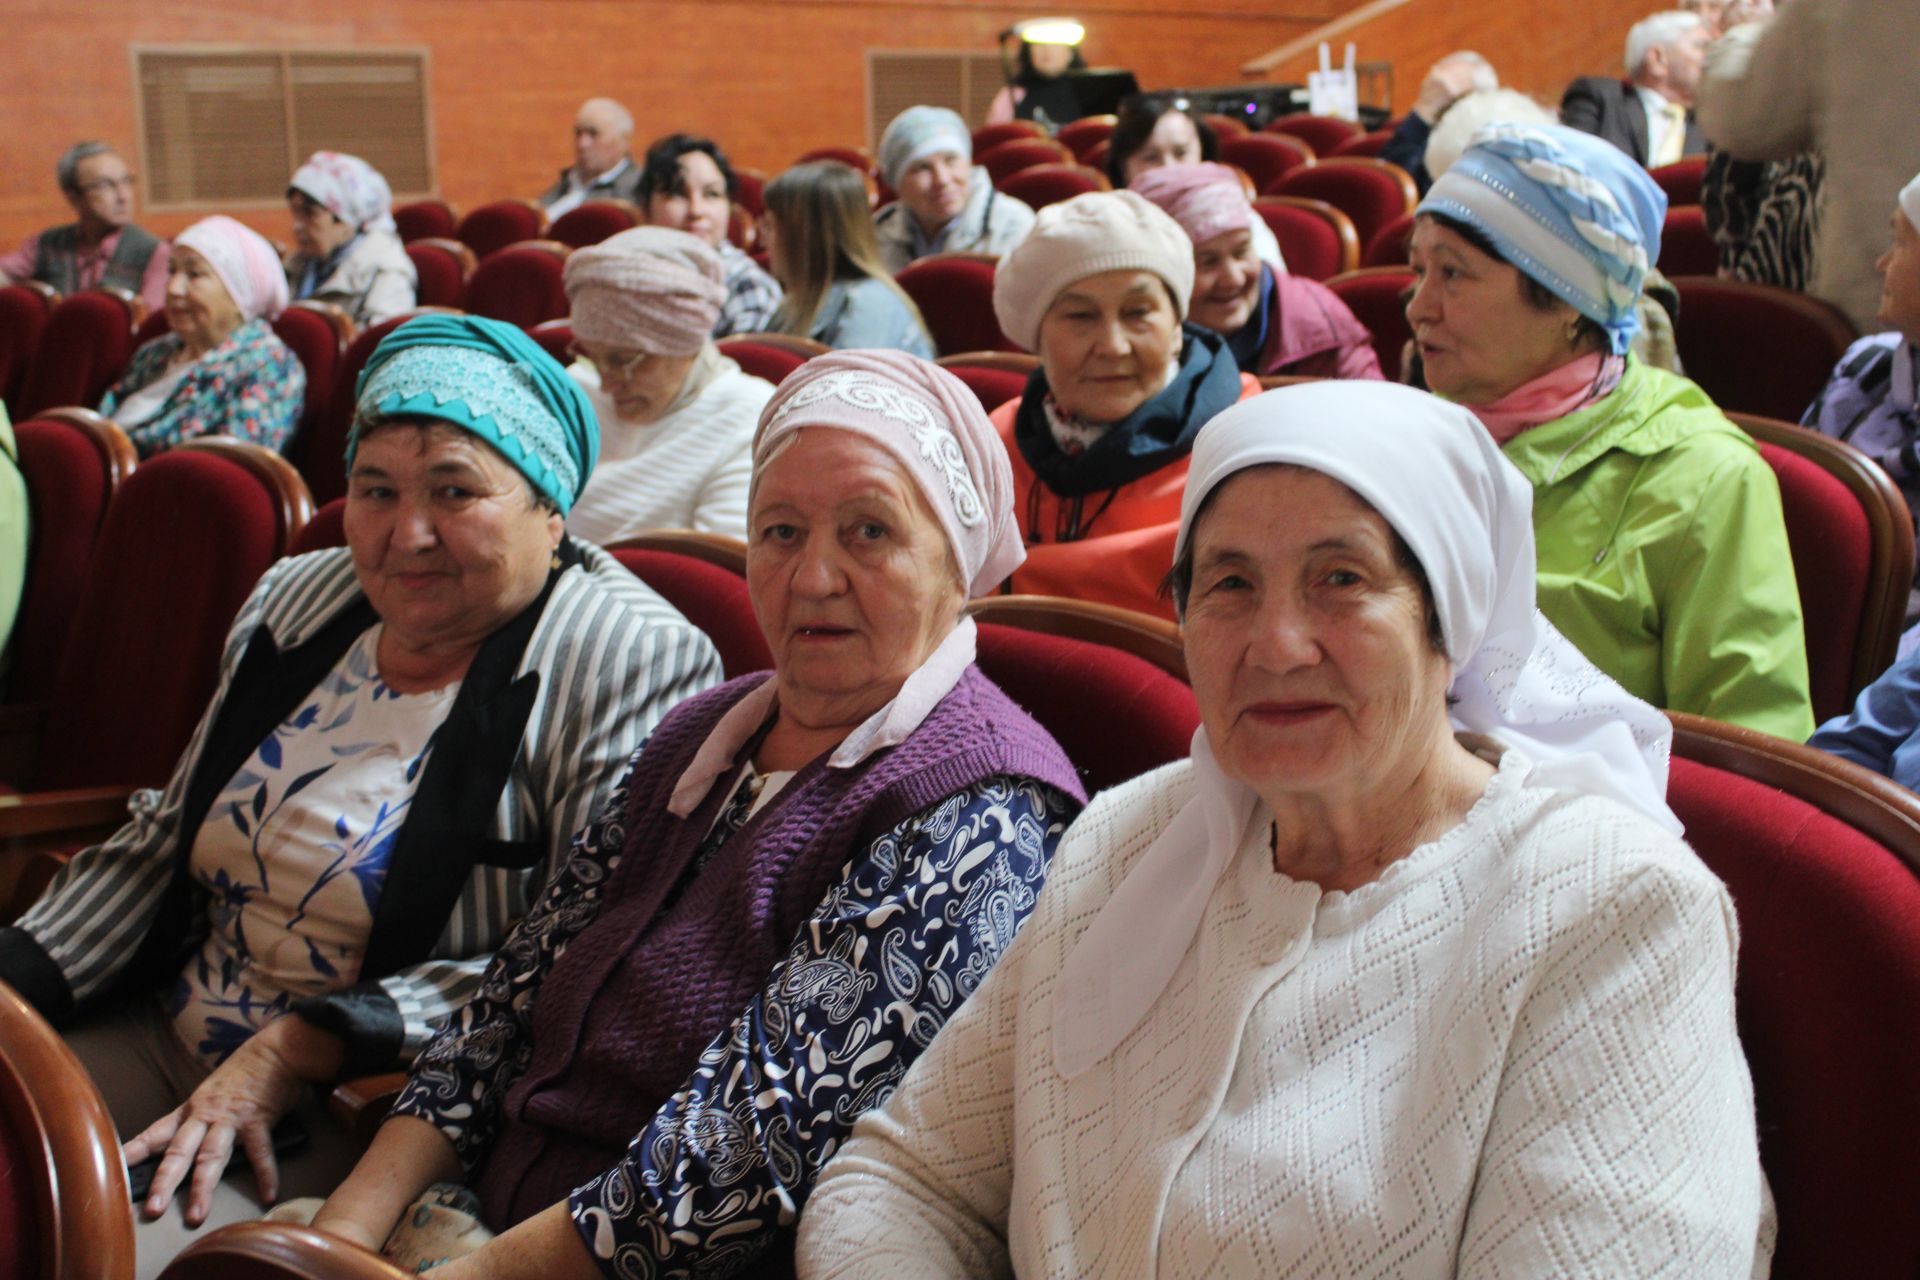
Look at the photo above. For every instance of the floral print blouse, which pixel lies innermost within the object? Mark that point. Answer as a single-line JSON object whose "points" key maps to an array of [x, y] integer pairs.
{"points": [[250, 386]]}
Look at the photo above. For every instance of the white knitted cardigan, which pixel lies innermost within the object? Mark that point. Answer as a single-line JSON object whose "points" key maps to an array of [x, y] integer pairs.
{"points": [[1512, 1055]]}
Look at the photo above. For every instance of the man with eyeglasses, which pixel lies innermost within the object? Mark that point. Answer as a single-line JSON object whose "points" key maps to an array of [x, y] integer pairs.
{"points": [[103, 247]]}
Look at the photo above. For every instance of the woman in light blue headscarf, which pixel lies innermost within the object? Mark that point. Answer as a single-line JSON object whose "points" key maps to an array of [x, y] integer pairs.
{"points": [[946, 202], [1662, 547]]}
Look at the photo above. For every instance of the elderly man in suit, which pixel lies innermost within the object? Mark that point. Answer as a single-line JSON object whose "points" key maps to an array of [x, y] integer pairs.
{"points": [[603, 164], [1649, 115]]}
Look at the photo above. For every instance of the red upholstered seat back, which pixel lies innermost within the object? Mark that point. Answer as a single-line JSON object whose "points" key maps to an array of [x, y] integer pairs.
{"points": [[1681, 180], [85, 346], [326, 529], [711, 598], [1828, 986], [1832, 548], [22, 1162], [1391, 246], [1083, 135], [762, 360], [1373, 294], [594, 221], [71, 472], [1266, 157], [23, 317], [321, 453], [1365, 144], [554, 337], [185, 539], [1115, 714], [989, 136], [1324, 134], [442, 267], [1373, 193], [954, 292], [1755, 348], [316, 340], [424, 220], [1316, 240], [1010, 157], [1686, 246], [1046, 184], [522, 284], [492, 227], [993, 385]]}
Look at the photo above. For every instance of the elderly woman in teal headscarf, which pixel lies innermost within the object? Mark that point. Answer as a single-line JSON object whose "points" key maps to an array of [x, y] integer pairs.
{"points": [[407, 732], [1662, 548]]}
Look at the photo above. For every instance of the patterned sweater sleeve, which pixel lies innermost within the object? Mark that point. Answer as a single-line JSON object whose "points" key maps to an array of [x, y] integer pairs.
{"points": [[894, 949]]}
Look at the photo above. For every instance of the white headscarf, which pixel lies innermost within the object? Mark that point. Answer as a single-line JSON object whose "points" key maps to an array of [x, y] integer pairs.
{"points": [[1437, 478], [347, 187]]}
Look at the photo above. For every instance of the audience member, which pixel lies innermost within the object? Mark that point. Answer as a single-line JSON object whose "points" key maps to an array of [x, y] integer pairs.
{"points": [[220, 370], [1274, 323], [1152, 132], [946, 204], [805, 873], [1470, 114], [1870, 400], [1662, 548], [1828, 77], [820, 243], [407, 733], [104, 247], [1099, 439], [1764, 216], [1721, 16], [1880, 732], [16, 524], [1406, 972], [1038, 92], [1649, 114], [687, 185], [349, 251], [602, 160], [676, 416], [1448, 81]]}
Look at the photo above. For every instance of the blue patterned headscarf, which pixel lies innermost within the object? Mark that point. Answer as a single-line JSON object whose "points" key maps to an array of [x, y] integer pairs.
{"points": [[919, 132], [487, 377], [1569, 210]]}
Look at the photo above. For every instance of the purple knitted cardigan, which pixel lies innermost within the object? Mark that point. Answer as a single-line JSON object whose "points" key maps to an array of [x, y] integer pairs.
{"points": [[625, 1013]]}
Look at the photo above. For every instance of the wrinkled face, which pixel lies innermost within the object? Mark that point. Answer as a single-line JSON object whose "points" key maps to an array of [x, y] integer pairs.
{"points": [[934, 189], [851, 577], [104, 190], [1306, 639], [198, 305], [1478, 336], [447, 541], [1107, 342], [1681, 63], [1174, 140], [700, 207], [315, 228], [1050, 59], [1899, 269], [598, 140], [1226, 282], [641, 384]]}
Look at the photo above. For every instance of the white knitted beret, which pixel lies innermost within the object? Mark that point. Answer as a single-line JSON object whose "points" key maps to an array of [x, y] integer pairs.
{"points": [[1081, 237]]}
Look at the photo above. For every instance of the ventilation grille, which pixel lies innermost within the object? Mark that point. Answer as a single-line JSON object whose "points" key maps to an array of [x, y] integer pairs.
{"points": [[228, 127], [965, 80]]}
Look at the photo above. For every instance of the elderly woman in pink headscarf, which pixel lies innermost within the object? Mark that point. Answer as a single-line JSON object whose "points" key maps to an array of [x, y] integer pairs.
{"points": [[804, 875], [221, 370], [1274, 323], [349, 251]]}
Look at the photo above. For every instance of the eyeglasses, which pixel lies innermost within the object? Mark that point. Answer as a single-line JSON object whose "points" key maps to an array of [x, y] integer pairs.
{"points": [[621, 370], [105, 184]]}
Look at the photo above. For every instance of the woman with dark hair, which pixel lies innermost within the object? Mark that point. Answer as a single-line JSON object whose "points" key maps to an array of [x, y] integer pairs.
{"points": [[686, 184], [1152, 133], [1039, 91], [820, 242], [1662, 547]]}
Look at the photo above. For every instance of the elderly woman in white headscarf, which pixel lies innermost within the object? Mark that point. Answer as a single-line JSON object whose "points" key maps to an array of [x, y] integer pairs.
{"points": [[349, 252], [676, 416], [1407, 971], [220, 370], [946, 203]]}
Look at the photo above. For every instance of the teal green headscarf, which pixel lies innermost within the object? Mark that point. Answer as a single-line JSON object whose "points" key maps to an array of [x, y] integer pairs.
{"points": [[487, 377]]}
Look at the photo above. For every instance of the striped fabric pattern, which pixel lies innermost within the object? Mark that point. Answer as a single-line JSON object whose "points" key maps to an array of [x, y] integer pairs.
{"points": [[612, 658]]}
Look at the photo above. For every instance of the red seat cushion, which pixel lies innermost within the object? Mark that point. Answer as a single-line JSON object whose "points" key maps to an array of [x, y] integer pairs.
{"points": [[311, 337], [1011, 157], [711, 598], [554, 337], [492, 227], [1310, 244], [1686, 246], [441, 281], [326, 529], [591, 223], [1368, 191], [1079, 691], [424, 220], [1266, 157], [1375, 298], [993, 387], [1832, 547], [955, 295], [1391, 245], [1757, 349], [1681, 180], [85, 346], [1046, 184], [762, 360], [1325, 134], [522, 284], [23, 317], [1828, 985], [68, 488]]}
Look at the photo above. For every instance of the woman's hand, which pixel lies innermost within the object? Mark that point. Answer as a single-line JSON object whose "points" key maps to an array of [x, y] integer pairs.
{"points": [[240, 1101]]}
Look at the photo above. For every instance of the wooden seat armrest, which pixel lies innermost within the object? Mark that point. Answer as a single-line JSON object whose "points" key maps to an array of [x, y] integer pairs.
{"points": [[60, 813], [279, 1249], [362, 1105]]}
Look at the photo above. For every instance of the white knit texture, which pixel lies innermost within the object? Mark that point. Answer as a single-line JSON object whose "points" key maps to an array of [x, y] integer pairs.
{"points": [[689, 470], [1514, 1055]]}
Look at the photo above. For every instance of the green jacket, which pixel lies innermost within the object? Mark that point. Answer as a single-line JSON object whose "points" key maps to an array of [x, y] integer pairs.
{"points": [[1663, 553], [13, 536]]}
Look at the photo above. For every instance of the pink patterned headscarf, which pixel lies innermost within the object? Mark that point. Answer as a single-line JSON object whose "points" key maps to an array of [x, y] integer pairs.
{"points": [[347, 187], [245, 262], [932, 425], [1207, 200]]}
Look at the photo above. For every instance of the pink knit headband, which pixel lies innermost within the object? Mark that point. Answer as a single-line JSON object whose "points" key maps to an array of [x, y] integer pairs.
{"points": [[651, 289], [1207, 200]]}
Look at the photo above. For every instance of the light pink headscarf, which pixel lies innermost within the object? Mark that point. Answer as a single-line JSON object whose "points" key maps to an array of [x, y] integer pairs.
{"points": [[245, 262], [1207, 200], [932, 425]]}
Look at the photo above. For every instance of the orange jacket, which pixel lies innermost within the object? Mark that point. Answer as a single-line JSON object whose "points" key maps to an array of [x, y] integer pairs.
{"points": [[1131, 547]]}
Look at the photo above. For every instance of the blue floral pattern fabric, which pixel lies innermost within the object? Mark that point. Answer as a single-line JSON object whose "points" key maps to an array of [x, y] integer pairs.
{"points": [[294, 853], [907, 934], [250, 386]]}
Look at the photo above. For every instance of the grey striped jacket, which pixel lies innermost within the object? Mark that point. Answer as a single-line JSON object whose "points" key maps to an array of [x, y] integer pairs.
{"points": [[611, 658]]}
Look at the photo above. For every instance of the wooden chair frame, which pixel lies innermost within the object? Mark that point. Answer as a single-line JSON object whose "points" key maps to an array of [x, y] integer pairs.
{"points": [[712, 548], [1144, 636], [1408, 190], [1012, 361], [277, 1251], [805, 348], [1332, 215], [1890, 572], [462, 253], [343, 326]]}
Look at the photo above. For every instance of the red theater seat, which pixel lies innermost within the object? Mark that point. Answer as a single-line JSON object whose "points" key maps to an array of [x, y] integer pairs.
{"points": [[1373, 193], [424, 220], [1375, 295], [320, 454], [24, 308], [770, 355], [594, 221], [554, 337], [1316, 239], [1365, 144], [1391, 246], [1681, 180], [1009, 158], [326, 529], [317, 333], [522, 284], [1756, 348], [994, 377], [989, 136], [1046, 184], [1821, 859], [1686, 246], [442, 267], [1325, 134], [954, 292], [84, 347], [492, 227], [1266, 157], [703, 576], [1086, 133]]}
